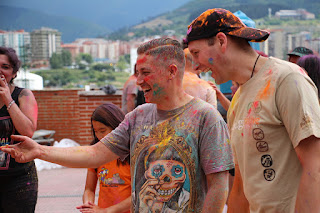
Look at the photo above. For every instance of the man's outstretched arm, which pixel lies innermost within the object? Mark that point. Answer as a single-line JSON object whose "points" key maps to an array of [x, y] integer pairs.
{"points": [[76, 157]]}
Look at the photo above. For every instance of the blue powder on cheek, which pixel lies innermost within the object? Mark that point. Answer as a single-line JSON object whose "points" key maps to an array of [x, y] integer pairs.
{"points": [[210, 60]]}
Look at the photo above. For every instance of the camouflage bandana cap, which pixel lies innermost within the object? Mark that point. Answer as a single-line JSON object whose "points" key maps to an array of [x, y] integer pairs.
{"points": [[213, 21], [301, 51]]}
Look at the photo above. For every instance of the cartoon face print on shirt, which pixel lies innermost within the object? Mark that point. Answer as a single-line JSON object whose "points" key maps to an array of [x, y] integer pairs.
{"points": [[170, 175], [165, 175], [162, 179]]}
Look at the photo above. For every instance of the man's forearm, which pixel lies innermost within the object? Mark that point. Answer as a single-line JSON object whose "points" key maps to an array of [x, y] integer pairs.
{"points": [[217, 193], [77, 157], [308, 198]]}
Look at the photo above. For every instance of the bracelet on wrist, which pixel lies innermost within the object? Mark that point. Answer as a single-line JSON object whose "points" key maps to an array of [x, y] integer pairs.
{"points": [[10, 104]]}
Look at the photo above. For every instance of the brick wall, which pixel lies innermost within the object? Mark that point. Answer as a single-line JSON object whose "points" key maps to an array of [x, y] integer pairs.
{"points": [[68, 112]]}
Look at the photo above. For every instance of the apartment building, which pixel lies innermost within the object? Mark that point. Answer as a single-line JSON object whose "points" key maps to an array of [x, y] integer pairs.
{"points": [[45, 42], [284, 39], [98, 48], [18, 40]]}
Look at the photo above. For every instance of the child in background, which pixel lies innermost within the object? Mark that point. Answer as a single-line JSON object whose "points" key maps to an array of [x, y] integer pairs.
{"points": [[114, 177]]}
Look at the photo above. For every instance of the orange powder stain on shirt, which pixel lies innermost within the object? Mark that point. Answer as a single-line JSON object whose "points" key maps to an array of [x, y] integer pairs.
{"points": [[266, 92]]}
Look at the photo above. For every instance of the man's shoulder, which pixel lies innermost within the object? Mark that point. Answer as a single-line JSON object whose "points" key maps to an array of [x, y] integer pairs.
{"points": [[144, 108], [285, 67], [203, 106], [207, 114]]}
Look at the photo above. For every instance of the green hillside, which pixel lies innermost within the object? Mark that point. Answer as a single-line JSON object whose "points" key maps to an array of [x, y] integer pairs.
{"points": [[14, 18], [180, 18]]}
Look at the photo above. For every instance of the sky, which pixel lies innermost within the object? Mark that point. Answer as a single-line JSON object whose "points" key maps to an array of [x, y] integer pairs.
{"points": [[112, 14]]}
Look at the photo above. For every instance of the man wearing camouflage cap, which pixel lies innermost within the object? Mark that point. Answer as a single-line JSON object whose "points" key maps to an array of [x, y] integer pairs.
{"points": [[274, 117], [298, 52]]}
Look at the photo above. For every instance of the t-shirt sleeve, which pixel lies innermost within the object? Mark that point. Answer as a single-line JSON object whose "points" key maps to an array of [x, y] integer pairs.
{"points": [[118, 141], [215, 148], [298, 105]]}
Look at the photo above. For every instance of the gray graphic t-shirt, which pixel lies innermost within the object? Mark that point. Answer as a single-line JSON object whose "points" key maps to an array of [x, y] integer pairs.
{"points": [[171, 152]]}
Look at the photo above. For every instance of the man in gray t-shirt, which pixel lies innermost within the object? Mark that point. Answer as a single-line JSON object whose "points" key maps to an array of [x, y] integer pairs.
{"points": [[178, 145], [171, 152]]}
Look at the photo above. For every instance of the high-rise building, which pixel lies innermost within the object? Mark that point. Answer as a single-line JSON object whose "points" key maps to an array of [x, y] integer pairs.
{"points": [[45, 42], [19, 41]]}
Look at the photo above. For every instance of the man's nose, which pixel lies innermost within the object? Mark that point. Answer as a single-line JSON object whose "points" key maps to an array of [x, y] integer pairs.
{"points": [[139, 80]]}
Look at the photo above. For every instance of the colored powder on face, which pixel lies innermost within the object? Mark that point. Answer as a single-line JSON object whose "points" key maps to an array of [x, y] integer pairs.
{"points": [[210, 60], [147, 78], [142, 60], [157, 90]]}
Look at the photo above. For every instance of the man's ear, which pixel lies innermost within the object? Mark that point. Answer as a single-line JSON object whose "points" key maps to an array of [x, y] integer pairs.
{"points": [[173, 69], [222, 39]]}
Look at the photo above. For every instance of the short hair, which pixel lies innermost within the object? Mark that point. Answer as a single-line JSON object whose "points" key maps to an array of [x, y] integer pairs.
{"points": [[311, 63], [210, 41], [165, 49], [12, 56]]}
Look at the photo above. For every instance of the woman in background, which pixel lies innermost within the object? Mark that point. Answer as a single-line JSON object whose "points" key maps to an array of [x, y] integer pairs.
{"points": [[311, 64], [18, 115], [114, 177]]}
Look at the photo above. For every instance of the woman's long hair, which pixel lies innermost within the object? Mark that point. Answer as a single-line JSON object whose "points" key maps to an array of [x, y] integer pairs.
{"points": [[111, 116], [311, 63]]}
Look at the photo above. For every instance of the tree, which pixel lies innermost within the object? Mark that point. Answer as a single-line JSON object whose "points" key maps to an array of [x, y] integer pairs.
{"points": [[127, 58], [84, 57], [122, 63], [56, 61], [103, 67], [66, 57]]}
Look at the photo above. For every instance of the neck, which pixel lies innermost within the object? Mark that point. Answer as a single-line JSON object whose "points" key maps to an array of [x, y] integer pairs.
{"points": [[174, 100], [191, 71], [247, 66]]}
